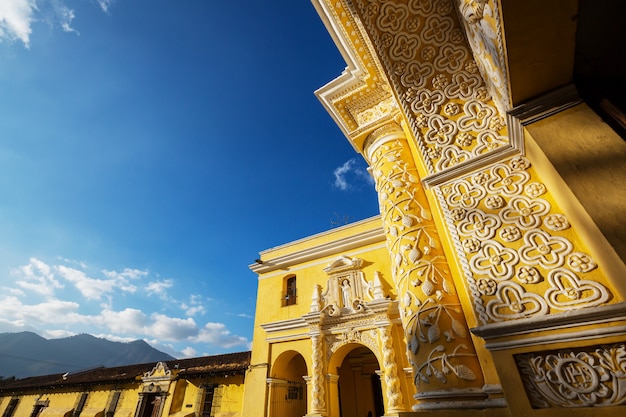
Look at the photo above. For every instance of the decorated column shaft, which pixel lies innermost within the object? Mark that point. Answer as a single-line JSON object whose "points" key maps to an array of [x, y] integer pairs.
{"points": [[318, 401], [439, 347], [395, 401]]}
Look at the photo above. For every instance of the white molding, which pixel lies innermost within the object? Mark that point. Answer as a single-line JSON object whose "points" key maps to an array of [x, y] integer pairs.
{"points": [[282, 325], [327, 249], [595, 333], [568, 319]]}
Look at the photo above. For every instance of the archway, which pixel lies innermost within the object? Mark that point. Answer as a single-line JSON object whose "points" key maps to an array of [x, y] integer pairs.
{"points": [[359, 389], [287, 388]]}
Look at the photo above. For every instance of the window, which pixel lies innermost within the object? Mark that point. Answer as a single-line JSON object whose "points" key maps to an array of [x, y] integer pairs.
{"points": [[114, 398], [80, 404], [11, 406], [211, 401], [289, 293]]}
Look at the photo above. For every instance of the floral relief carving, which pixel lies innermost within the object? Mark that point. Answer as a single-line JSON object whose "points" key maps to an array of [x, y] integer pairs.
{"points": [[506, 180], [495, 260], [465, 195], [437, 337], [442, 131], [589, 377], [519, 259], [390, 370], [479, 225], [513, 302], [430, 64], [545, 250], [569, 291], [524, 212], [581, 262], [451, 156], [476, 118]]}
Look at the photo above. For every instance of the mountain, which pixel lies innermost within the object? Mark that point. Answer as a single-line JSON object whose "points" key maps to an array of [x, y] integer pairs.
{"points": [[28, 354]]}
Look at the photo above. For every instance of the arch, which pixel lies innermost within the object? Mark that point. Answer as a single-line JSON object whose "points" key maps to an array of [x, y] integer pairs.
{"points": [[287, 393], [357, 389]]}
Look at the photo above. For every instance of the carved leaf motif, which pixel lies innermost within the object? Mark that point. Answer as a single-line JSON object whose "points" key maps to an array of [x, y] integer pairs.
{"points": [[398, 260], [414, 344], [447, 287], [407, 299], [434, 333], [428, 287], [464, 372], [458, 328]]}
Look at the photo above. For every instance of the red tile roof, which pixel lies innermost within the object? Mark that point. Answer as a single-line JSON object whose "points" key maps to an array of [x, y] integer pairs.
{"points": [[204, 366]]}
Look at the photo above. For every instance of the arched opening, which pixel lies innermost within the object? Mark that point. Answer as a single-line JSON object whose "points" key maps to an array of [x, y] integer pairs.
{"points": [[359, 389], [287, 388]]}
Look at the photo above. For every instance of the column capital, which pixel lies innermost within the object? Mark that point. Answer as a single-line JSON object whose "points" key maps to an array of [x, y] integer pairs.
{"points": [[383, 134]]}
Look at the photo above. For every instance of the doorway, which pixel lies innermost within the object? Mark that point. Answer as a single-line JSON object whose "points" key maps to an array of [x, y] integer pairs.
{"points": [[360, 391]]}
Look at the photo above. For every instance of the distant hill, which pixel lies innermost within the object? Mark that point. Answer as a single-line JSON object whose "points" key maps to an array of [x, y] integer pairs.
{"points": [[28, 354]]}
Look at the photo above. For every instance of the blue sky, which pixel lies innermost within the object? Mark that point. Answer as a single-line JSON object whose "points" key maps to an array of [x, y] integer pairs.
{"points": [[149, 149]]}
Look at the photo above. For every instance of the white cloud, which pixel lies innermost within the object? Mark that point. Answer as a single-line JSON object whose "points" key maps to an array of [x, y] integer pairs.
{"points": [[105, 4], [194, 306], [36, 276], [115, 338], [159, 287], [57, 334], [90, 288], [189, 352], [244, 315], [350, 174], [66, 15], [51, 311], [217, 334], [126, 273], [16, 17], [127, 321], [171, 328]]}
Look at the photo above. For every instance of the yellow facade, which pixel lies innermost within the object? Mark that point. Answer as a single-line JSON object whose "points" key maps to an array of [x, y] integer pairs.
{"points": [[206, 386], [501, 248], [493, 281]]}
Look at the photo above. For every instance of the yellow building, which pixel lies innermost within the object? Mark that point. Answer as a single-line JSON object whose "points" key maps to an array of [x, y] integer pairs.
{"points": [[494, 281], [210, 386]]}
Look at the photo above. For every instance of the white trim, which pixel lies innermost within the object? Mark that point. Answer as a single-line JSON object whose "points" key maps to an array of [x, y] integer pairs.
{"points": [[566, 320], [282, 325], [283, 271], [331, 248], [595, 333]]}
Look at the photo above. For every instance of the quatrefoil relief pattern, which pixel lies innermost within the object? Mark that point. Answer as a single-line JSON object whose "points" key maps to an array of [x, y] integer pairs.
{"points": [[423, 48], [568, 290], [517, 248]]}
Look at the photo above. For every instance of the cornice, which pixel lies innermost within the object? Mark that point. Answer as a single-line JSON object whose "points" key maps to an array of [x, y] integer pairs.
{"points": [[562, 321], [282, 325], [326, 249], [354, 98]]}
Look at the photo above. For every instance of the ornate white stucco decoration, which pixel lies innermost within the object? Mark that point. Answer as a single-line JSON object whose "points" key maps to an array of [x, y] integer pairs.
{"points": [[518, 252], [481, 20], [157, 379], [589, 377], [346, 288], [451, 111]]}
